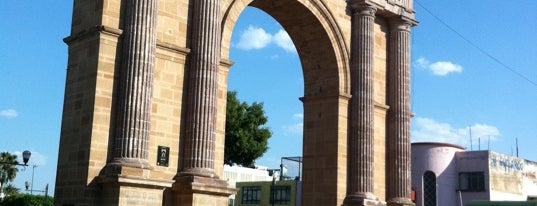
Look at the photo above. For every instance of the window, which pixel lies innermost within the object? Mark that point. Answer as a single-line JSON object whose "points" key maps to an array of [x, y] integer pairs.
{"points": [[251, 195], [429, 189], [281, 195], [472, 181]]}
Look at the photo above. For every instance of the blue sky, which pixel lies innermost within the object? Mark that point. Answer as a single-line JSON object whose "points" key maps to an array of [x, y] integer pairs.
{"points": [[454, 84]]}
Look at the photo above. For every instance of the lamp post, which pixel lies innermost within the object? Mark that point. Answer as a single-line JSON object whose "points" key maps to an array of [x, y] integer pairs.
{"points": [[32, 183], [25, 158]]}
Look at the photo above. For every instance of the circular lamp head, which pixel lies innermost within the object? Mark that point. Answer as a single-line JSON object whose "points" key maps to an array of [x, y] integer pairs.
{"points": [[26, 156]]}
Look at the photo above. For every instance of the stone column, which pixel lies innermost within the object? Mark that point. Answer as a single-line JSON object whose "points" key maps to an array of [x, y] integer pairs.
{"points": [[200, 135], [361, 134], [135, 84], [196, 183], [399, 114]]}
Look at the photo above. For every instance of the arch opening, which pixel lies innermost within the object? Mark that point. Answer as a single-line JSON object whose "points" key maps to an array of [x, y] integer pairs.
{"points": [[323, 62], [429, 189]]}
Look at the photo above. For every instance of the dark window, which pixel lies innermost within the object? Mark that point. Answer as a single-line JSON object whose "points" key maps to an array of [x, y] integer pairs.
{"points": [[251, 195], [281, 195], [472, 181], [429, 189]]}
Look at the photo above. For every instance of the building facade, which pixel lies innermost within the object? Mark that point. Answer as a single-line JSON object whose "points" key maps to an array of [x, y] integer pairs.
{"points": [[267, 193], [447, 175], [144, 109]]}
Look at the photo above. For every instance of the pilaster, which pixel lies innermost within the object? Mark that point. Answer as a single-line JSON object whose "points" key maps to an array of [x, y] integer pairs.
{"points": [[399, 114], [361, 137]]}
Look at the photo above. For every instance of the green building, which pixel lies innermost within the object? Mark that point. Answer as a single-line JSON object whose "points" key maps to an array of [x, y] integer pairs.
{"points": [[503, 203], [268, 193]]}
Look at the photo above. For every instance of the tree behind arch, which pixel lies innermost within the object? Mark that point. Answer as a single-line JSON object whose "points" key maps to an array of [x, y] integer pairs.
{"points": [[246, 135]]}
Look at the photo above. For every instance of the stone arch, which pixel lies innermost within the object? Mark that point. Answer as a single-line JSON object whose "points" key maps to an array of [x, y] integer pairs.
{"points": [[320, 20], [182, 47], [324, 58]]}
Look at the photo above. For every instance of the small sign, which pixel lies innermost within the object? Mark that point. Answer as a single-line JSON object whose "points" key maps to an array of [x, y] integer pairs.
{"points": [[163, 156]]}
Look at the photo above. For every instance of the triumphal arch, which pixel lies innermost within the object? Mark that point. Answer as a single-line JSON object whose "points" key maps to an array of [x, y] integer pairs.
{"points": [[144, 112]]}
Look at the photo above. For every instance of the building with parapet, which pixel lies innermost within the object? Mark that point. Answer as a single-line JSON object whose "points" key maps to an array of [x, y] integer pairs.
{"points": [[447, 174]]}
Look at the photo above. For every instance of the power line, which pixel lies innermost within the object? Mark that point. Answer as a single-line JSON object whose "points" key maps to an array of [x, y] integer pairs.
{"points": [[476, 46]]}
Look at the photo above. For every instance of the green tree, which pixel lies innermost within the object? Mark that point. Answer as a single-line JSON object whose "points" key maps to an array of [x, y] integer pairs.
{"points": [[246, 135], [8, 169], [10, 189], [27, 200]]}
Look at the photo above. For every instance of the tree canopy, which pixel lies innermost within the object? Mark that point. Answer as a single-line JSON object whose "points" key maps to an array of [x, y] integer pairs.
{"points": [[246, 135], [8, 169]]}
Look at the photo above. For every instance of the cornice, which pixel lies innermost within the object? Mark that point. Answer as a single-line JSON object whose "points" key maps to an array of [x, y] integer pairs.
{"points": [[92, 31]]}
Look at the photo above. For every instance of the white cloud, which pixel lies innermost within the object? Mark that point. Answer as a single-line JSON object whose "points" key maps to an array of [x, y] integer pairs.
{"points": [[257, 38], [254, 38], [440, 68], [429, 130], [444, 68], [423, 63], [283, 40], [9, 113], [295, 129]]}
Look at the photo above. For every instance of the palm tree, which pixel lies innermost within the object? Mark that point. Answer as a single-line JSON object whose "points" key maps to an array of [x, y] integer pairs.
{"points": [[8, 169], [10, 189]]}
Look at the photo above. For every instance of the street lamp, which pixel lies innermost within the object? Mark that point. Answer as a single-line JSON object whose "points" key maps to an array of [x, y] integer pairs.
{"points": [[25, 158]]}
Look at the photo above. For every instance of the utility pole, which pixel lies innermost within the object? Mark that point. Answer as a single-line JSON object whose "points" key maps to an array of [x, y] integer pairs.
{"points": [[32, 183]]}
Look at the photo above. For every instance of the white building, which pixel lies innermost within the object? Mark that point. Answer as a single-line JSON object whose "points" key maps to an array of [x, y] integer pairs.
{"points": [[234, 174]]}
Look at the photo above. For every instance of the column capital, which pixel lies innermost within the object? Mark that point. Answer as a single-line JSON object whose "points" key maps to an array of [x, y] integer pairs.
{"points": [[401, 23], [362, 9]]}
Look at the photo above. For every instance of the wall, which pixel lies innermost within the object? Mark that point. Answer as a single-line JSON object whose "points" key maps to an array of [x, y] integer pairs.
{"points": [[440, 159], [265, 191], [512, 178], [474, 161]]}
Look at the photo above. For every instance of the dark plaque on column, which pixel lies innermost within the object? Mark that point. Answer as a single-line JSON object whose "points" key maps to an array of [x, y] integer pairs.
{"points": [[163, 156]]}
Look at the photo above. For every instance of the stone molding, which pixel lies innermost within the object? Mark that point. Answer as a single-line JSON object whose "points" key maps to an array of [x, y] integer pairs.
{"points": [[324, 97], [91, 32], [125, 180]]}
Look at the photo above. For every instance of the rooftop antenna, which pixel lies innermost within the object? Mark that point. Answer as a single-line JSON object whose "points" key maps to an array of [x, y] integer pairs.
{"points": [[488, 144], [470, 128], [479, 143], [516, 141]]}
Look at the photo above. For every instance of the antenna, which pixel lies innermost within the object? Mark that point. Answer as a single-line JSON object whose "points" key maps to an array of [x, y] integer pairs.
{"points": [[516, 141], [470, 128], [479, 143], [488, 144]]}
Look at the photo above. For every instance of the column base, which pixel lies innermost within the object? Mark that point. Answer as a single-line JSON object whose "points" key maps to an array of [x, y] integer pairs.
{"points": [[400, 202], [362, 199], [192, 190], [129, 186], [130, 162]]}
